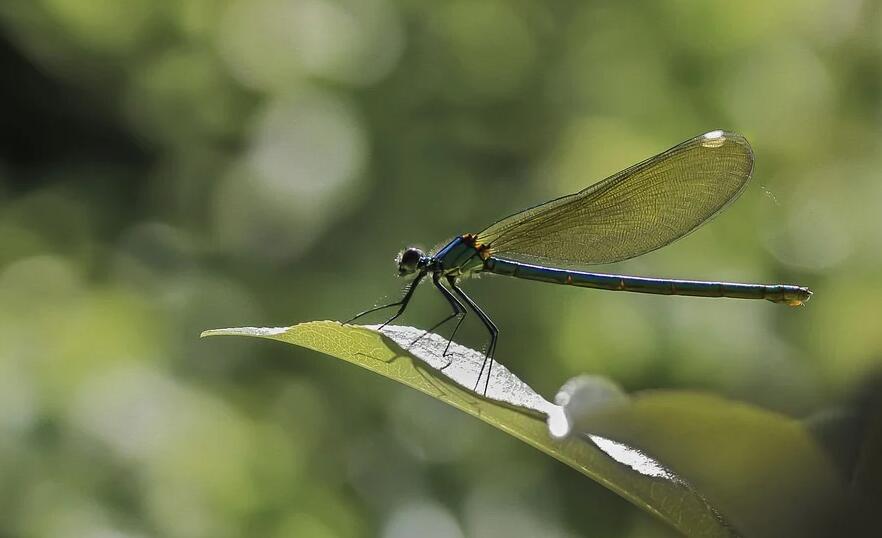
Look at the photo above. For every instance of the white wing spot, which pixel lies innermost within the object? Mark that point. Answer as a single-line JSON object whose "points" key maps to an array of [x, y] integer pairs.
{"points": [[713, 139]]}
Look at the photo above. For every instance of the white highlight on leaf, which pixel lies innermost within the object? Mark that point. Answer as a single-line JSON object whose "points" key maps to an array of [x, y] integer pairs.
{"points": [[634, 459], [558, 425], [462, 366]]}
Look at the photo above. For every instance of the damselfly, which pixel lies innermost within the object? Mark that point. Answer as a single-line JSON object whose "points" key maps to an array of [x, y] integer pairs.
{"points": [[635, 211]]}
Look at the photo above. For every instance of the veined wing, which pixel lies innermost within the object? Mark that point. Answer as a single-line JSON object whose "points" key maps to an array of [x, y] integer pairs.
{"points": [[635, 211]]}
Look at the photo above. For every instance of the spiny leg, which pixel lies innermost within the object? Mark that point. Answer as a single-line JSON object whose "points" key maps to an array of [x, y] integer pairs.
{"points": [[459, 311], [370, 310], [405, 300], [455, 329], [491, 328], [402, 304]]}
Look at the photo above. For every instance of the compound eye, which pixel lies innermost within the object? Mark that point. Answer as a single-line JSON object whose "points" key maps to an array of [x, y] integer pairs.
{"points": [[411, 256], [409, 260]]}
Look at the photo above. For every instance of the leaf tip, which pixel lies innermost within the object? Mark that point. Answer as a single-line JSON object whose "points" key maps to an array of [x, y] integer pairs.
{"points": [[262, 332]]}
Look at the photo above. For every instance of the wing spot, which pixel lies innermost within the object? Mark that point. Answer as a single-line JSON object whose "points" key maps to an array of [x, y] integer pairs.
{"points": [[713, 139]]}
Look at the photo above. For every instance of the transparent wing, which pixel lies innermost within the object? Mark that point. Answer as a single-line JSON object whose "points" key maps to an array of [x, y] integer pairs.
{"points": [[635, 211]]}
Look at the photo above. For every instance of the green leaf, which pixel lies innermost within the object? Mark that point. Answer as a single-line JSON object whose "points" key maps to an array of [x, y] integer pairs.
{"points": [[764, 471], [510, 405]]}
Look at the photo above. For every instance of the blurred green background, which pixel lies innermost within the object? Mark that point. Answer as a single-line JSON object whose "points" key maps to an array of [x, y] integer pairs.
{"points": [[167, 167]]}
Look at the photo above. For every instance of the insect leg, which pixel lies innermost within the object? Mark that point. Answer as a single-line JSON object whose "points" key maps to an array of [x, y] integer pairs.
{"points": [[402, 304], [491, 328], [459, 311]]}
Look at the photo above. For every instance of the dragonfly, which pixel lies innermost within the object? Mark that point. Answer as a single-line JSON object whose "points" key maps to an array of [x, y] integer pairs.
{"points": [[635, 211]]}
